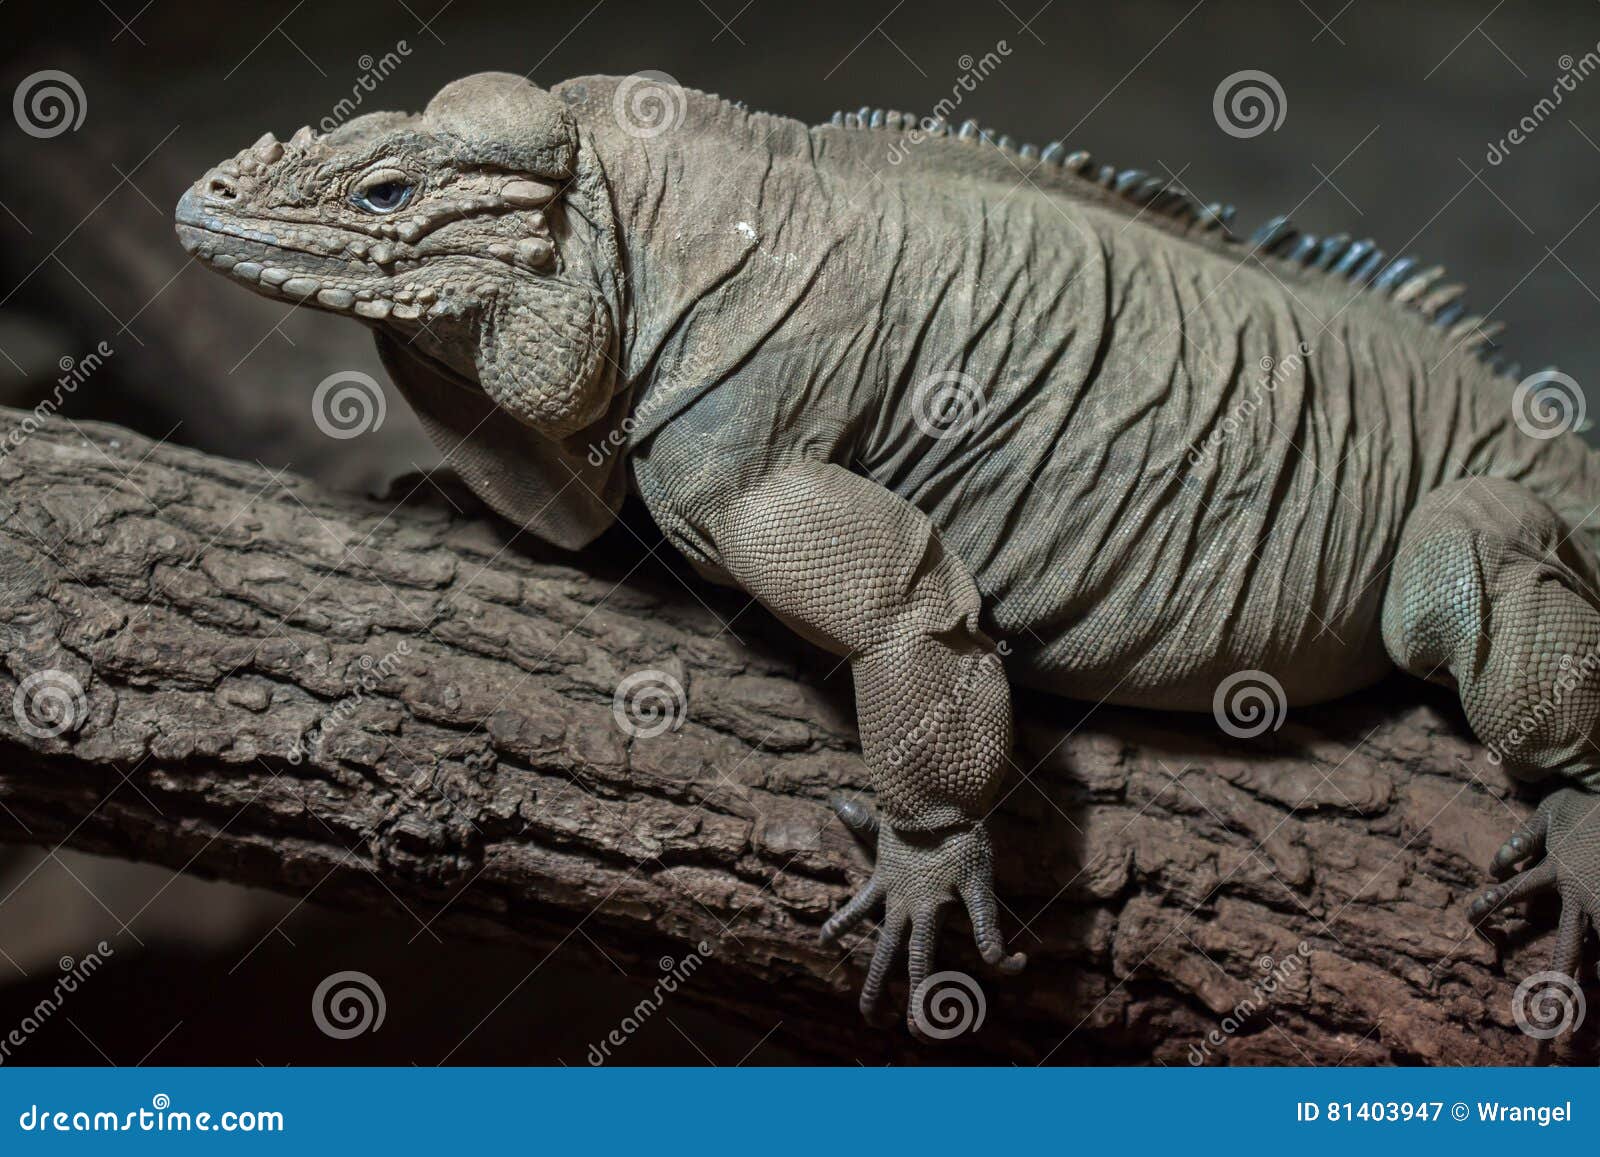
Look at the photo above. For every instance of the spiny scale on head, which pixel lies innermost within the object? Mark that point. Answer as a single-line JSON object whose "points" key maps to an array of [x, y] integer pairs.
{"points": [[1360, 263]]}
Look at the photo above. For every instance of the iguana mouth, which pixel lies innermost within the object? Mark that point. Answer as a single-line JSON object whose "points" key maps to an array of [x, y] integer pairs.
{"points": [[261, 261], [318, 281], [224, 248], [200, 229]]}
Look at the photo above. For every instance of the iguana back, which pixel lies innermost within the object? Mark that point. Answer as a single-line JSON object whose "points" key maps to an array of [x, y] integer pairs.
{"points": [[1164, 455]]}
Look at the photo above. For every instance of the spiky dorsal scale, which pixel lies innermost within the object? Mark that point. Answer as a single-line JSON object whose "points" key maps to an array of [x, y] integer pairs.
{"points": [[1158, 203], [1162, 200], [1365, 266], [1361, 263]]}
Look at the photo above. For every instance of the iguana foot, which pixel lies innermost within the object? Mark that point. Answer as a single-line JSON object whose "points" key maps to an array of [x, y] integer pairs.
{"points": [[918, 876], [1565, 833]]}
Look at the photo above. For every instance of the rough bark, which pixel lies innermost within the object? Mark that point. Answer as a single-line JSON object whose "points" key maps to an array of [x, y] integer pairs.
{"points": [[453, 693]]}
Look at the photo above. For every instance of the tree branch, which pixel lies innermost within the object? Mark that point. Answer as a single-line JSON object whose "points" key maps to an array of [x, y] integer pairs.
{"points": [[399, 707]]}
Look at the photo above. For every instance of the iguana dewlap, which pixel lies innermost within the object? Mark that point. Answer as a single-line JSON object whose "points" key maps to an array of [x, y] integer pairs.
{"points": [[962, 413]]}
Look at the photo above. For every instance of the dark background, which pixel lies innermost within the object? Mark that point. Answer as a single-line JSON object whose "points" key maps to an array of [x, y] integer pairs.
{"points": [[1391, 109]]}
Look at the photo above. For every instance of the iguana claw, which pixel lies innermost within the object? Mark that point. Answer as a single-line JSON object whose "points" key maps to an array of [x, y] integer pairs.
{"points": [[1565, 832], [918, 876]]}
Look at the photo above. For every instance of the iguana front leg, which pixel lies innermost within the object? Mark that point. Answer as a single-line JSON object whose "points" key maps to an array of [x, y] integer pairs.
{"points": [[859, 571]]}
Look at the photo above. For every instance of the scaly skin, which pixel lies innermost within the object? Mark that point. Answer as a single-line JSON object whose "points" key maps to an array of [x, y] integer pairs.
{"points": [[1180, 457]]}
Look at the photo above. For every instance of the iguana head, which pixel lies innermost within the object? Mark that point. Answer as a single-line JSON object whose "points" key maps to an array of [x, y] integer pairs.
{"points": [[449, 231]]}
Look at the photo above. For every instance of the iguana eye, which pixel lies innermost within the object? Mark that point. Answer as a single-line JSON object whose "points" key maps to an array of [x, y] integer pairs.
{"points": [[383, 191]]}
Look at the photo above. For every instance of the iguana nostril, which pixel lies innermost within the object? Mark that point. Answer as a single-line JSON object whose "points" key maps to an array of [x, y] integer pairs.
{"points": [[221, 187]]}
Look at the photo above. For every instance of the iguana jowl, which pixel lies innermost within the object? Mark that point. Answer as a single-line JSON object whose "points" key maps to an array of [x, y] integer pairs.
{"points": [[1174, 456]]}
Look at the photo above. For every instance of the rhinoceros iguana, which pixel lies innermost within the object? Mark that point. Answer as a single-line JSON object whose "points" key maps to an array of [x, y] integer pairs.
{"points": [[963, 412]]}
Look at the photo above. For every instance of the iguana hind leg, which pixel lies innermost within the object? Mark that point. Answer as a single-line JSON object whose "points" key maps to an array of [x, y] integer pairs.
{"points": [[1492, 593]]}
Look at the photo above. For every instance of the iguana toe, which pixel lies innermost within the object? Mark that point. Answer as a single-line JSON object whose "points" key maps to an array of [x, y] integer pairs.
{"points": [[983, 911], [1566, 833], [919, 876], [853, 912], [855, 815]]}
